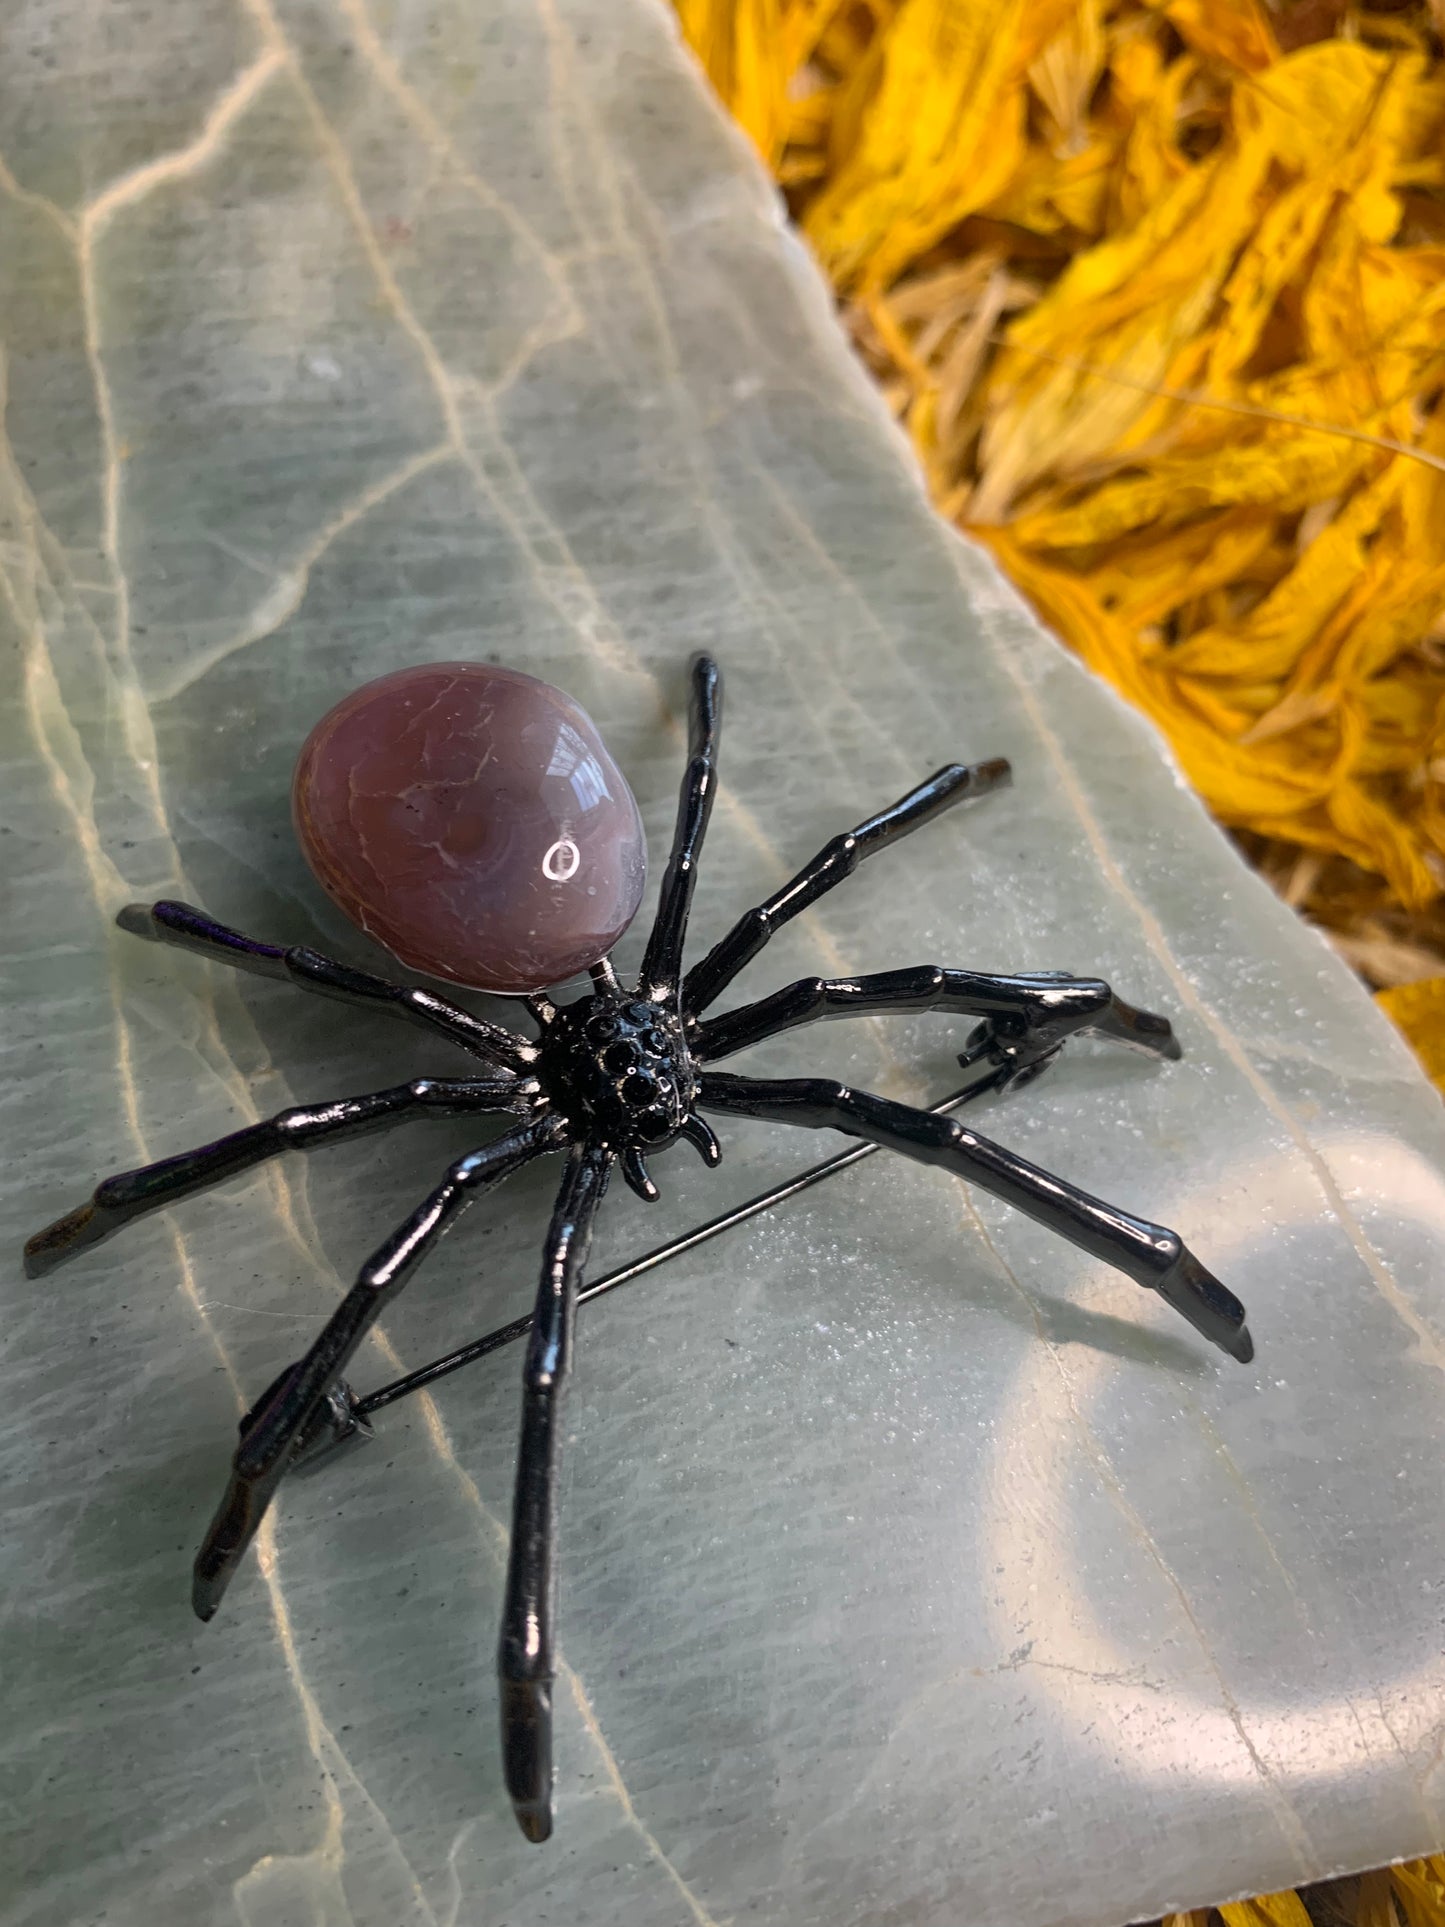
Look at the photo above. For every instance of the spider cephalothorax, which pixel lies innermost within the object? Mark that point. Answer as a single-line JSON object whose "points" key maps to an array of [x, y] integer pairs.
{"points": [[613, 1075], [617, 1067]]}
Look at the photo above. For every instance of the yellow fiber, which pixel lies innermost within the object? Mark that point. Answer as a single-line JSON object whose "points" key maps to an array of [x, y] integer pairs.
{"points": [[1159, 292]]}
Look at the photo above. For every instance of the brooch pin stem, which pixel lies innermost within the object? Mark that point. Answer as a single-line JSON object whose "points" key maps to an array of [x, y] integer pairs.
{"points": [[353, 1420]]}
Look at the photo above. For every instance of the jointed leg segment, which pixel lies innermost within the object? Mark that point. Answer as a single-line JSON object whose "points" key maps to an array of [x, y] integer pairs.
{"points": [[1148, 1253], [662, 962], [118, 1201], [283, 1414], [189, 929], [1029, 1016], [837, 860], [526, 1652]]}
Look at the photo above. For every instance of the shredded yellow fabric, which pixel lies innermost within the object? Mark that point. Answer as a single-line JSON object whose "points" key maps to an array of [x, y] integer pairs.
{"points": [[1158, 290], [1419, 1010], [1409, 1895], [1269, 1910]]}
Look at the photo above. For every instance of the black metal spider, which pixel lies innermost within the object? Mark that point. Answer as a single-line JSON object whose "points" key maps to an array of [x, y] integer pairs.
{"points": [[612, 1076]]}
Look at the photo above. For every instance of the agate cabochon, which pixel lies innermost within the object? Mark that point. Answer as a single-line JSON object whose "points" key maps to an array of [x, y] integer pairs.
{"points": [[471, 819]]}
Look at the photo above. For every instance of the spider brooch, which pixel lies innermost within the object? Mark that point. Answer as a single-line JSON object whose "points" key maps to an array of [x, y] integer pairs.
{"points": [[481, 780]]}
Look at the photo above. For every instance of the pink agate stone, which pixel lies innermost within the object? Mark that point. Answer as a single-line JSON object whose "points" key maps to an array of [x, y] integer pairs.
{"points": [[470, 819]]}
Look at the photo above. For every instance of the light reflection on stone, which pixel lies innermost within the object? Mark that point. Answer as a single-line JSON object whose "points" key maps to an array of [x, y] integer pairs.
{"points": [[1094, 1673]]}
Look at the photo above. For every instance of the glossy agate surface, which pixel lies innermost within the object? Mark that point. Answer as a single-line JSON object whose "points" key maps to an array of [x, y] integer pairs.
{"points": [[470, 818]]}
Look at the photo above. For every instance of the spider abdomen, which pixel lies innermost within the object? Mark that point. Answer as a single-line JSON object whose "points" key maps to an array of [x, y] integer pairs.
{"points": [[470, 818]]}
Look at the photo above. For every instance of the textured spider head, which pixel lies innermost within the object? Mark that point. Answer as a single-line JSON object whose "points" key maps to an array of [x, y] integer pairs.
{"points": [[617, 1067]]}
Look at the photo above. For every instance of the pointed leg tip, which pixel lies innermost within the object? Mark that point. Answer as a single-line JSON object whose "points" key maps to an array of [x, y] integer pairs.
{"points": [[61, 1240], [1143, 1030], [39, 1258], [136, 919], [1153, 1033], [526, 1707], [534, 1820], [226, 1543], [700, 1134], [211, 1574], [637, 1177], [1210, 1307]]}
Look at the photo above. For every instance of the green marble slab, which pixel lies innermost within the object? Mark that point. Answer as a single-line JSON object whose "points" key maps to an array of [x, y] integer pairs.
{"points": [[916, 1570]]}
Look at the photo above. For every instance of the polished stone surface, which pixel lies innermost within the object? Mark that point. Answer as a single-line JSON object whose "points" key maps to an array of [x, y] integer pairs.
{"points": [[916, 1570], [470, 818]]}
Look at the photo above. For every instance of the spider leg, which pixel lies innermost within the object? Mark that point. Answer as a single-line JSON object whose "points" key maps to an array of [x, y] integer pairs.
{"points": [[700, 1135], [662, 962], [637, 1175], [526, 1650], [191, 929], [118, 1201], [287, 1410], [1150, 1254], [1026, 1018], [956, 783]]}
